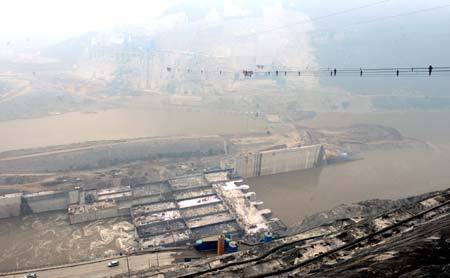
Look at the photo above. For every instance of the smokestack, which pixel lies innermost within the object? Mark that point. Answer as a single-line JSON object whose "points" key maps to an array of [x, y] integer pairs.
{"points": [[221, 245]]}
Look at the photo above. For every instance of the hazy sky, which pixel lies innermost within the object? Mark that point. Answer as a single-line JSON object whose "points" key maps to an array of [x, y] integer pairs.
{"points": [[337, 39], [53, 18], [62, 17]]}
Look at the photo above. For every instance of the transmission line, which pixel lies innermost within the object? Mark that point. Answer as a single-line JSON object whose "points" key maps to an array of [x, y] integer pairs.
{"points": [[332, 72]]}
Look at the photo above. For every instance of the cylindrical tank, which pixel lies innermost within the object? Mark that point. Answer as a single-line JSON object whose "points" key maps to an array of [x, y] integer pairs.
{"points": [[221, 245], [233, 247], [267, 237]]}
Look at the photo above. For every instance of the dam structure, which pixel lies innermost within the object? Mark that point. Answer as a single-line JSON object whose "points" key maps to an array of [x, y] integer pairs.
{"points": [[276, 161], [101, 154], [174, 212]]}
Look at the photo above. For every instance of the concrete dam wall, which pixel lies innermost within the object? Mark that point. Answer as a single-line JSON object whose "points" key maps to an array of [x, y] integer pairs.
{"points": [[19, 204], [106, 155], [45, 201], [10, 205], [279, 161]]}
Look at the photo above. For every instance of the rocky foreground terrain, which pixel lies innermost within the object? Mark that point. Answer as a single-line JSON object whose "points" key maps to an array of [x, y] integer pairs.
{"points": [[403, 238]]}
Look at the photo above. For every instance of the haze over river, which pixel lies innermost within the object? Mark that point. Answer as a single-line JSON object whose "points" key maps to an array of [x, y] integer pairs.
{"points": [[381, 174]]}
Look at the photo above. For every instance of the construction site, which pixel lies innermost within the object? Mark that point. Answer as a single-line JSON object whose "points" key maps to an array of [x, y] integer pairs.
{"points": [[170, 213], [179, 211], [225, 138]]}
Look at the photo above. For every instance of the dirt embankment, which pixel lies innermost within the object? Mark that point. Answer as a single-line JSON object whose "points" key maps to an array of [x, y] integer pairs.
{"points": [[358, 138]]}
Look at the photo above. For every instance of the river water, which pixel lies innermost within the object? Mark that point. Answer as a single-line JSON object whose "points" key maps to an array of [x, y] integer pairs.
{"points": [[116, 124], [291, 196], [381, 174], [48, 239]]}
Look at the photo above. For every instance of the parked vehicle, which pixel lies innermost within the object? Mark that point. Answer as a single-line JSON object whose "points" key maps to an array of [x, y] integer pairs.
{"points": [[113, 263]]}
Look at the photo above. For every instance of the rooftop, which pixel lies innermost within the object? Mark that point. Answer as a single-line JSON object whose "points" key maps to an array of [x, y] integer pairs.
{"points": [[161, 228], [152, 208], [113, 190], [187, 182], [199, 201], [153, 218], [216, 229], [209, 220], [150, 189], [203, 210], [189, 194], [118, 195]]}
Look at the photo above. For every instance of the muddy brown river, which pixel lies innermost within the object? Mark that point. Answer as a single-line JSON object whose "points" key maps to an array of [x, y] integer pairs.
{"points": [[48, 239], [116, 124]]}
